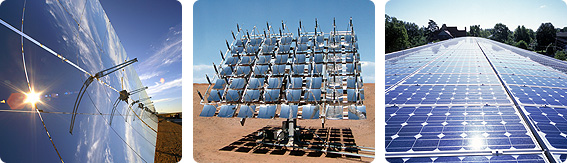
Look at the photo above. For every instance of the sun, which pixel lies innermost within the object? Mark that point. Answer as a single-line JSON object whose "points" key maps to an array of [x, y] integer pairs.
{"points": [[32, 97]]}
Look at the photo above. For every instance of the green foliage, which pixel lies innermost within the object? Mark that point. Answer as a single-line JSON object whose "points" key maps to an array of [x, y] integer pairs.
{"points": [[501, 33], [474, 31], [522, 34], [545, 35], [522, 44], [396, 35], [415, 34], [560, 55]]}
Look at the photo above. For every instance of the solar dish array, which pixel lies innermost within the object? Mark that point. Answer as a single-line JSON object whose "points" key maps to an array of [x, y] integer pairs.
{"points": [[309, 76], [53, 47], [474, 100]]}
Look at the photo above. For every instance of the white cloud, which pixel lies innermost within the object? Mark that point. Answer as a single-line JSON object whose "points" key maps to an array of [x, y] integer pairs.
{"points": [[150, 75], [199, 72], [542, 6], [164, 100], [368, 73], [167, 53], [158, 87]]}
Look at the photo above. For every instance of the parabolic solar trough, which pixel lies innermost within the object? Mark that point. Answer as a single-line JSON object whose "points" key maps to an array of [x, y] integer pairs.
{"points": [[274, 74], [474, 100], [68, 90]]}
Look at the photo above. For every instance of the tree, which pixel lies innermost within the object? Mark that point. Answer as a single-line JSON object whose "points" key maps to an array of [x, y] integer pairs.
{"points": [[560, 55], [563, 30], [474, 30], [415, 34], [522, 44], [545, 35], [396, 35], [431, 29], [522, 34], [501, 33]]}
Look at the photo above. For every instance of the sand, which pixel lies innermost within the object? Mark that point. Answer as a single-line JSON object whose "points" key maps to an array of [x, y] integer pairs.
{"points": [[168, 145], [212, 134]]}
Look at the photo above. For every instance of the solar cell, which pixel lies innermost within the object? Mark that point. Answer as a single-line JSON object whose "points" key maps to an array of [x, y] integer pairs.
{"points": [[263, 59], [237, 83], [281, 59], [303, 40], [299, 58], [288, 111], [270, 41], [252, 95], [286, 40], [236, 50], [271, 95], [284, 49], [267, 112], [313, 95], [314, 82], [268, 49], [227, 111], [317, 58], [255, 83], [298, 69], [226, 71], [215, 95], [334, 112], [261, 70], [233, 95], [356, 112], [252, 49], [295, 83], [231, 61], [242, 70], [208, 111], [246, 111], [317, 68], [274, 83], [246, 60], [241, 42], [310, 112], [293, 95], [219, 84], [278, 69]]}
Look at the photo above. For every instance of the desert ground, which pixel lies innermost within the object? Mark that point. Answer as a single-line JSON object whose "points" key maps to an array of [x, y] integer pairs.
{"points": [[168, 145], [210, 134]]}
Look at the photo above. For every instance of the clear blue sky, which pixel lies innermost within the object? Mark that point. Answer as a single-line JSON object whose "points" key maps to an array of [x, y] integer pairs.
{"points": [[150, 30], [486, 13], [213, 21]]}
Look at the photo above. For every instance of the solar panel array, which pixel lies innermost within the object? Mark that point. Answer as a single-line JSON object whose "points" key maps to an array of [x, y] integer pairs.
{"points": [[267, 75], [474, 100]]}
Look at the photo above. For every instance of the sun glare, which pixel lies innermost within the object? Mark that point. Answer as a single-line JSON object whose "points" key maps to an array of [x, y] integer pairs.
{"points": [[32, 97]]}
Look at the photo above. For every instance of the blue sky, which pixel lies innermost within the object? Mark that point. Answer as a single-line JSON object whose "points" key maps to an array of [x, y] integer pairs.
{"points": [[486, 13], [151, 31], [213, 21]]}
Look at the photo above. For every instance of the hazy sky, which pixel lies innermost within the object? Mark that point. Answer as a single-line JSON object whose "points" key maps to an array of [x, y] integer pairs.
{"points": [[486, 13], [151, 31], [213, 21]]}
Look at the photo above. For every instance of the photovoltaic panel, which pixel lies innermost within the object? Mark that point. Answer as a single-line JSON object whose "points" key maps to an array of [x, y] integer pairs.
{"points": [[304, 74], [310, 112], [246, 111], [287, 110], [472, 94], [208, 111], [227, 111], [267, 112], [293, 95]]}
